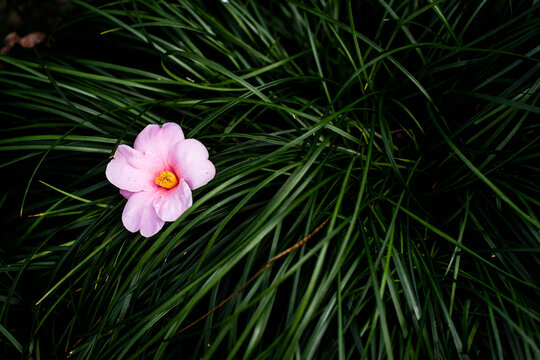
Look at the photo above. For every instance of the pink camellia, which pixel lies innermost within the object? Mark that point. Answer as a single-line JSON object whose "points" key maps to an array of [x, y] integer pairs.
{"points": [[157, 176]]}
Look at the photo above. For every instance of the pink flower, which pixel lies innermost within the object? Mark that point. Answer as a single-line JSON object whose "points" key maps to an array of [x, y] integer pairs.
{"points": [[157, 176]]}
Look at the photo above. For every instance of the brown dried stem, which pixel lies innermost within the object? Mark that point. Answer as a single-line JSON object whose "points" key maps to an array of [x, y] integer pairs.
{"points": [[257, 274]]}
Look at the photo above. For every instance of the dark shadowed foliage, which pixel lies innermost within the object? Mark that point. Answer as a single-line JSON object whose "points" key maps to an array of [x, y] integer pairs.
{"points": [[405, 132]]}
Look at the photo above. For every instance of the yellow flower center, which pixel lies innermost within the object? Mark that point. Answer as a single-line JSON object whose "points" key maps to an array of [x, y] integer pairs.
{"points": [[167, 179]]}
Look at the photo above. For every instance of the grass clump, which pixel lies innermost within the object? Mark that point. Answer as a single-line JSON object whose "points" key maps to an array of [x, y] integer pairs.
{"points": [[379, 160]]}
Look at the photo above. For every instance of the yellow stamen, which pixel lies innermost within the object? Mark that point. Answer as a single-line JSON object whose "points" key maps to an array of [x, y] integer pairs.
{"points": [[167, 179]]}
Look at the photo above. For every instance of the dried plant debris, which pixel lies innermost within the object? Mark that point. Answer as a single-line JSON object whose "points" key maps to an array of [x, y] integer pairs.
{"points": [[26, 22], [28, 41]]}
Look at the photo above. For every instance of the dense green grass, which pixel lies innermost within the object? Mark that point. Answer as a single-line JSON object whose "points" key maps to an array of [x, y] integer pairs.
{"points": [[405, 132]]}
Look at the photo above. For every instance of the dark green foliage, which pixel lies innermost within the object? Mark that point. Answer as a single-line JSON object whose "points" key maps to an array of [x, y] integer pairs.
{"points": [[412, 126]]}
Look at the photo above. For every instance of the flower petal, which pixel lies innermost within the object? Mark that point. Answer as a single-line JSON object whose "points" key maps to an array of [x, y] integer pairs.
{"points": [[126, 194], [132, 170], [170, 204], [139, 214], [189, 159], [159, 140]]}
